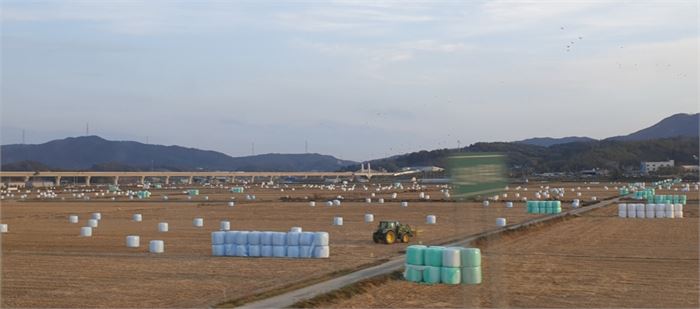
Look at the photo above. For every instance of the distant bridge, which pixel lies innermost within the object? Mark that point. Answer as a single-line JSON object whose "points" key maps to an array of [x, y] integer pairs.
{"points": [[166, 177]]}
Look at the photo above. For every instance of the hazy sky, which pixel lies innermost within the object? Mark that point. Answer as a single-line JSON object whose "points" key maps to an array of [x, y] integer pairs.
{"points": [[358, 80]]}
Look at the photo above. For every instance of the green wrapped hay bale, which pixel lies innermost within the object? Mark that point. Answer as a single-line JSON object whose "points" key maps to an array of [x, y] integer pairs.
{"points": [[431, 275], [471, 275], [450, 275], [433, 256], [532, 207], [413, 273], [683, 199], [470, 257], [415, 254]]}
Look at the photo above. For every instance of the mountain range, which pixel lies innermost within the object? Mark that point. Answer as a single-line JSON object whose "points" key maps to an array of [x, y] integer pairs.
{"points": [[673, 126], [96, 153], [675, 137]]}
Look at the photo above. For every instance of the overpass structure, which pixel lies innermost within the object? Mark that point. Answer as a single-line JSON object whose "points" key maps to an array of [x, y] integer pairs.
{"points": [[167, 177]]}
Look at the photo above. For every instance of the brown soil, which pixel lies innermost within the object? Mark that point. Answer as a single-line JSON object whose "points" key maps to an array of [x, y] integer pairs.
{"points": [[595, 260]]}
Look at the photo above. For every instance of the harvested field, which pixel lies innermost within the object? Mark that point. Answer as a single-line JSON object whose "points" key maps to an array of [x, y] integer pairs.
{"points": [[45, 263], [595, 260]]}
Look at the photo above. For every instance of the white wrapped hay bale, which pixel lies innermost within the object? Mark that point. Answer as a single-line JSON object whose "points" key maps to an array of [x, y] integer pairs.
{"points": [[218, 238], [313, 204], [254, 250], [231, 204], [660, 210], [156, 246], [242, 250], [137, 217], [92, 223], [163, 227], [404, 204], [296, 229], [266, 251], [218, 250], [293, 238], [631, 210], [338, 221], [485, 203], [336, 202], [368, 200], [380, 201], [669, 211], [622, 210], [394, 195], [224, 225], [451, 257], [85, 231], [96, 216], [73, 219], [266, 239], [321, 252], [306, 238], [649, 209], [640, 211], [254, 238], [430, 219], [293, 251], [329, 203], [321, 239], [509, 204], [230, 249], [500, 222], [198, 222], [133, 241], [279, 239], [279, 251], [369, 218], [305, 252], [241, 238], [230, 237]]}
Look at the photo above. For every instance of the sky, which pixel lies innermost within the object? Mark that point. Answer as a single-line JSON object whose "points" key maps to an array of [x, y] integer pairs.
{"points": [[358, 80]]}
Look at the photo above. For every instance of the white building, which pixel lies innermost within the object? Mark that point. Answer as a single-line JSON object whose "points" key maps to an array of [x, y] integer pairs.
{"points": [[648, 167]]}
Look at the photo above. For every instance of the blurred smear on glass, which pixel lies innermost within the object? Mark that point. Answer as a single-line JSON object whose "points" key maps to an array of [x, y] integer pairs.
{"points": [[476, 174]]}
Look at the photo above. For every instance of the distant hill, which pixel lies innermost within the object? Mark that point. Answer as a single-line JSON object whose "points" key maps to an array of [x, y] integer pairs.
{"points": [[96, 153], [26, 166], [676, 125], [672, 126], [569, 157], [549, 141]]}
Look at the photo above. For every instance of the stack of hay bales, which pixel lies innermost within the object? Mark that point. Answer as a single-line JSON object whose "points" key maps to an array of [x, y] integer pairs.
{"points": [[650, 211], [293, 244], [435, 264], [236, 190], [543, 207]]}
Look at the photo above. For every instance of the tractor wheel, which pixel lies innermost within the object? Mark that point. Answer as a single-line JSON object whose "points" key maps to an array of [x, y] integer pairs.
{"points": [[390, 237], [405, 238]]}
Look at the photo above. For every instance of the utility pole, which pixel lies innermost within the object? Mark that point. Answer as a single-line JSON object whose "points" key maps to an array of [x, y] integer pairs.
{"points": [[252, 149], [23, 141], [459, 145], [306, 146], [87, 129]]}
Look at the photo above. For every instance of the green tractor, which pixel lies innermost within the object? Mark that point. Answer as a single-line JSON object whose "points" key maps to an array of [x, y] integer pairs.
{"points": [[389, 232]]}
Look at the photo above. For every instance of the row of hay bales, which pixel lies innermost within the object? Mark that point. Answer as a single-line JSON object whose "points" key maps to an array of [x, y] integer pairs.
{"points": [[292, 244], [543, 207], [650, 211], [448, 265], [132, 241]]}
